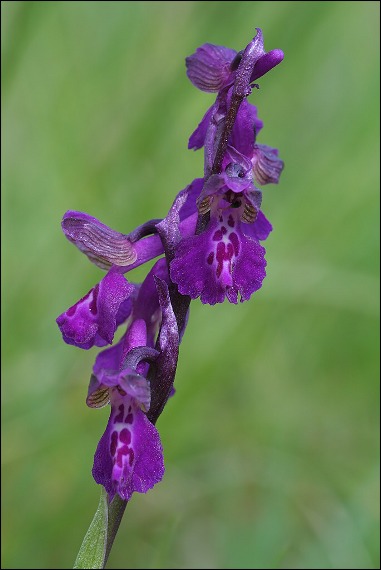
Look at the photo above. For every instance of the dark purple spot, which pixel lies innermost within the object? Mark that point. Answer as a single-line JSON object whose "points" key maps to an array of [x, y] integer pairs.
{"points": [[210, 258], [125, 436], [132, 455], [231, 221], [229, 251], [123, 450], [113, 443], [235, 241], [129, 418], [119, 459], [129, 408], [70, 312], [119, 417], [217, 236], [223, 230], [220, 254], [93, 304]]}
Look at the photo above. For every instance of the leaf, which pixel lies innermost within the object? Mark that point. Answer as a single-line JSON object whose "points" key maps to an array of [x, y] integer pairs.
{"points": [[93, 549]]}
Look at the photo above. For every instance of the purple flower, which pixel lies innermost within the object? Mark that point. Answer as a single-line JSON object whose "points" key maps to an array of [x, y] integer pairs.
{"points": [[212, 68], [94, 319], [129, 456], [226, 259], [265, 163], [209, 70], [223, 261]]}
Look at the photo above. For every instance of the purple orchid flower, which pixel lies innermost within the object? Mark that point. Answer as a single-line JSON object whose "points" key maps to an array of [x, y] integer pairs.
{"points": [[129, 456], [94, 319], [226, 259], [212, 68]]}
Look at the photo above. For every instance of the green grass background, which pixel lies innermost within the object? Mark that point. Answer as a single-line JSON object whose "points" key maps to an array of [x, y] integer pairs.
{"points": [[271, 442]]}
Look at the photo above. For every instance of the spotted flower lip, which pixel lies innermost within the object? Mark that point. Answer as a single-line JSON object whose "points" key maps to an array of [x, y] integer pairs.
{"points": [[129, 456], [221, 262]]}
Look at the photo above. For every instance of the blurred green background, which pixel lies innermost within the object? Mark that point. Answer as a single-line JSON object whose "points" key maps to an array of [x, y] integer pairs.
{"points": [[271, 442]]}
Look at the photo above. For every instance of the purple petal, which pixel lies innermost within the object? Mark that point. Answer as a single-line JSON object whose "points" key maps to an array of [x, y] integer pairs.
{"points": [[233, 155], [124, 311], [266, 63], [237, 178], [222, 261], [147, 306], [137, 387], [113, 369], [254, 198], [249, 271], [127, 382], [267, 167], [214, 186], [258, 230], [193, 191], [109, 359], [197, 138], [246, 128], [146, 249], [102, 245], [209, 68], [136, 335], [129, 456], [93, 319]]}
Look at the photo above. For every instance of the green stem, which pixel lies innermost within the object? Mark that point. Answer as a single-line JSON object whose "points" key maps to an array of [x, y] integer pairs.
{"points": [[115, 514]]}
